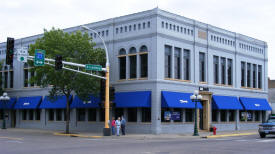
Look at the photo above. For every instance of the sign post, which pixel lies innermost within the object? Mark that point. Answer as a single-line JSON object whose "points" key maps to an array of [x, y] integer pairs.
{"points": [[39, 57]]}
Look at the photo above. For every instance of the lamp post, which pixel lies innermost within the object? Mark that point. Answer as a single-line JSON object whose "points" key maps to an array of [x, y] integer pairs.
{"points": [[106, 130], [196, 98], [5, 98]]}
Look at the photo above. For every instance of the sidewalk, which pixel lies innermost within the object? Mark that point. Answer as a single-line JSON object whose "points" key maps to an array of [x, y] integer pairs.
{"points": [[202, 134]]}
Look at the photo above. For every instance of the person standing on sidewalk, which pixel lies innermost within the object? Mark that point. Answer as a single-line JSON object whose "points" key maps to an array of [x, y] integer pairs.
{"points": [[118, 126], [113, 125], [123, 124]]}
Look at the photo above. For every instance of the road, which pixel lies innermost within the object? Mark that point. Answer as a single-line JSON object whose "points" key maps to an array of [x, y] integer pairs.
{"points": [[46, 143]]}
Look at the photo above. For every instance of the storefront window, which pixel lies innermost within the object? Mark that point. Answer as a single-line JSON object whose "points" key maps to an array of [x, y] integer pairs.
{"points": [[24, 114], [102, 114], [242, 116], [146, 115], [118, 112], [189, 115], [1, 114], [257, 115], [231, 115], [51, 115], [132, 114], [31, 114], [81, 114], [223, 115], [163, 118], [249, 115], [91, 114], [177, 115], [58, 114], [214, 116], [37, 114]]}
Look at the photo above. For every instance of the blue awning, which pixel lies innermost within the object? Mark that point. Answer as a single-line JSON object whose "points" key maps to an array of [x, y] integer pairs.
{"points": [[255, 103], [92, 103], [177, 100], [7, 105], [133, 99], [59, 102], [226, 103], [28, 102]]}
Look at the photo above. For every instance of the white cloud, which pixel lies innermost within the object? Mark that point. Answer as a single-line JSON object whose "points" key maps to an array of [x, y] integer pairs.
{"points": [[21, 18]]}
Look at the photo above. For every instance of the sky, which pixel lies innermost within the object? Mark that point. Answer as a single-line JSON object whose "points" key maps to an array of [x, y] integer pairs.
{"points": [[254, 18]]}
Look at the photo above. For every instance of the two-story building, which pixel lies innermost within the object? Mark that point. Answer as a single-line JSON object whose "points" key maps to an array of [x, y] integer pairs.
{"points": [[157, 60]]}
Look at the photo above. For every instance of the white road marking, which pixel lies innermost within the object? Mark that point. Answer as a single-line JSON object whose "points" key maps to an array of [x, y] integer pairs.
{"points": [[241, 140], [14, 141], [264, 141]]}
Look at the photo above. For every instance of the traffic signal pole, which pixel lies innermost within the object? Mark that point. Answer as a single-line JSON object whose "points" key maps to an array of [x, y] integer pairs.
{"points": [[107, 103]]}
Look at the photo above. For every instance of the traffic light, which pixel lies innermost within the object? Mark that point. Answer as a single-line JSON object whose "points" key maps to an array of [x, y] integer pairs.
{"points": [[58, 62], [10, 50], [112, 94], [102, 90]]}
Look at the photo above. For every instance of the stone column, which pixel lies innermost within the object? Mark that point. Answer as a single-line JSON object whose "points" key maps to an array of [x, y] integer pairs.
{"points": [[171, 110], [218, 116], [156, 110], [125, 114], [43, 121], [18, 118], [227, 116], [237, 119], [261, 116], [183, 115], [139, 115], [253, 116]]}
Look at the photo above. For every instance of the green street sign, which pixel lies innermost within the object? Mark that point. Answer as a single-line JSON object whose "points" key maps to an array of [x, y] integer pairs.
{"points": [[39, 57], [90, 67]]}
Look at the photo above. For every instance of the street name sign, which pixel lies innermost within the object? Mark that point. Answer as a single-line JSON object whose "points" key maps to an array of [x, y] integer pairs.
{"points": [[39, 57], [91, 67]]}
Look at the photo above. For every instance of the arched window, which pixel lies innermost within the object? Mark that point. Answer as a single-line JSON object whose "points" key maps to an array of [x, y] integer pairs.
{"points": [[143, 61], [122, 51], [133, 62], [143, 49], [132, 50], [122, 64]]}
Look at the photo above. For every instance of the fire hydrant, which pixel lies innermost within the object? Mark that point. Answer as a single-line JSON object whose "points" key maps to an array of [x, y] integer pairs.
{"points": [[214, 130]]}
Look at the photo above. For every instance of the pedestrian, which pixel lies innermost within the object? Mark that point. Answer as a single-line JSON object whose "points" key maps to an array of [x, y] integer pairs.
{"points": [[113, 125], [118, 126], [123, 124]]}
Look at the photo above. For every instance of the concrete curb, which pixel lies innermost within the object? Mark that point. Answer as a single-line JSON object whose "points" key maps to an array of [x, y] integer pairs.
{"points": [[76, 135], [229, 135]]}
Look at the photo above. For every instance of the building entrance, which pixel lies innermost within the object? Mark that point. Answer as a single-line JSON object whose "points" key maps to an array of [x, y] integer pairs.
{"points": [[205, 112]]}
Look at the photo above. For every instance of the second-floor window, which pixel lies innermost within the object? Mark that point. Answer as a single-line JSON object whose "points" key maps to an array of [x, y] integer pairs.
{"points": [[168, 53], [202, 66], [122, 64], [143, 61], [177, 62], [242, 74], [223, 71], [133, 62], [186, 64], [248, 74], [216, 69], [229, 71], [260, 76], [254, 75]]}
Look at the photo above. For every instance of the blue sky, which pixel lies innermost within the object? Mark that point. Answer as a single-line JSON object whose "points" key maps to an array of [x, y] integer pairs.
{"points": [[255, 18]]}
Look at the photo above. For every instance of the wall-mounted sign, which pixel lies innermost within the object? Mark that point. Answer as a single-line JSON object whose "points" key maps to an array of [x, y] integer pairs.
{"points": [[175, 116], [167, 115]]}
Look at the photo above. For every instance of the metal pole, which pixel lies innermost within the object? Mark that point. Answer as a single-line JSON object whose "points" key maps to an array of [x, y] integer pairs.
{"points": [[106, 130], [196, 120]]}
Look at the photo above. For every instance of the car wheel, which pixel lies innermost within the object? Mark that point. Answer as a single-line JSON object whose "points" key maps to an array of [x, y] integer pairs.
{"points": [[262, 135]]}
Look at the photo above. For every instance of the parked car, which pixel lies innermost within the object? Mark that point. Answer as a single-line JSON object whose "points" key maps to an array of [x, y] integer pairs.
{"points": [[267, 127]]}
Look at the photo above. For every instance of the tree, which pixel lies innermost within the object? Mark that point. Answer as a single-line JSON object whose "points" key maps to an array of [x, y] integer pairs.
{"points": [[74, 47]]}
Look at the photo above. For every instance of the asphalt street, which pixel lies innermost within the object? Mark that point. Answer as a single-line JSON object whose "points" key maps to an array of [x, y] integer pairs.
{"points": [[39, 143]]}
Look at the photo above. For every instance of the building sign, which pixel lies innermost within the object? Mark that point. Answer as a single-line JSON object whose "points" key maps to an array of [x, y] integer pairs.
{"points": [[167, 115], [175, 116], [202, 35]]}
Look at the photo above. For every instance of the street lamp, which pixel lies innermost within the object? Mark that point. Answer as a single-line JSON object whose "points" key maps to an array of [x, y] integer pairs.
{"points": [[106, 130], [196, 98], [5, 98]]}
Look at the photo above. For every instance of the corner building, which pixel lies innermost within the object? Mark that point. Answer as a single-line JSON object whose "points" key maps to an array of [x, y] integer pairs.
{"points": [[157, 61]]}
